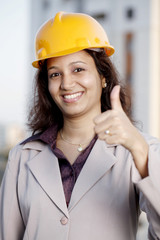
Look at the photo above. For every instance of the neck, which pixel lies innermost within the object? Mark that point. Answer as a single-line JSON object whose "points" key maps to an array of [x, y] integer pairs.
{"points": [[78, 130]]}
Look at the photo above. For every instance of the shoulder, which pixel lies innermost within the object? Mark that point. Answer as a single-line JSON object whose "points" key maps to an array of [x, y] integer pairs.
{"points": [[27, 144], [23, 151], [151, 140]]}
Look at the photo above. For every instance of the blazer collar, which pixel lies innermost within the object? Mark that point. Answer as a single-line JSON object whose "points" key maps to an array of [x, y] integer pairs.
{"points": [[44, 166], [35, 145]]}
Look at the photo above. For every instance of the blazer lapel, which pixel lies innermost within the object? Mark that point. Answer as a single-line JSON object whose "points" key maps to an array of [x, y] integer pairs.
{"points": [[100, 160], [44, 166]]}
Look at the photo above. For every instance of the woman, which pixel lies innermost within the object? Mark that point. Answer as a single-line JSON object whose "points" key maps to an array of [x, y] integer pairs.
{"points": [[87, 171]]}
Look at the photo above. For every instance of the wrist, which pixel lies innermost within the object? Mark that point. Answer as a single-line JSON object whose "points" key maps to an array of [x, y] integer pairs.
{"points": [[140, 156]]}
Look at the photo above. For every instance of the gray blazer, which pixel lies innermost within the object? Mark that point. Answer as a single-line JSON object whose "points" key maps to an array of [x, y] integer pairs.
{"points": [[105, 200]]}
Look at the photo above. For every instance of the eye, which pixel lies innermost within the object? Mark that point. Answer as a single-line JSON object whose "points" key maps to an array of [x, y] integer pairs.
{"points": [[53, 75], [78, 70]]}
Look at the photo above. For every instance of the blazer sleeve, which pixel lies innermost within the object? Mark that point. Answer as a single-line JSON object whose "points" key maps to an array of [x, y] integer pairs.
{"points": [[11, 223], [149, 189]]}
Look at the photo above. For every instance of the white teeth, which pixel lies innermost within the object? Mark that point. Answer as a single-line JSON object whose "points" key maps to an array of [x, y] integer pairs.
{"points": [[72, 96]]}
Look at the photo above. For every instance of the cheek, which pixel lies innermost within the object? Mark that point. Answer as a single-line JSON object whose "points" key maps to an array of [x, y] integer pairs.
{"points": [[53, 93], [92, 82], [52, 88], [88, 81]]}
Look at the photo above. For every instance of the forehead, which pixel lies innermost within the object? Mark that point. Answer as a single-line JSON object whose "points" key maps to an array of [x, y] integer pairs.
{"points": [[81, 56]]}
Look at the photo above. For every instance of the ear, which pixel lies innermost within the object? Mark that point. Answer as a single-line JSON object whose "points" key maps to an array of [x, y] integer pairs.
{"points": [[104, 84]]}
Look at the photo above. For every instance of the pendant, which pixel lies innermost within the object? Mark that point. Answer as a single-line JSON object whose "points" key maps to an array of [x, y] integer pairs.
{"points": [[80, 148]]}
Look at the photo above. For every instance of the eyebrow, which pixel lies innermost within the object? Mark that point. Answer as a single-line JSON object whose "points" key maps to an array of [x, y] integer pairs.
{"points": [[72, 63]]}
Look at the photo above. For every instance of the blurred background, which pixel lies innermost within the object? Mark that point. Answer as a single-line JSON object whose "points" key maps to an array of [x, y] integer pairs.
{"points": [[133, 28]]}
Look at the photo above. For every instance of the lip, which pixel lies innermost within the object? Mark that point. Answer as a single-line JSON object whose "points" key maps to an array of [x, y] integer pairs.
{"points": [[72, 97]]}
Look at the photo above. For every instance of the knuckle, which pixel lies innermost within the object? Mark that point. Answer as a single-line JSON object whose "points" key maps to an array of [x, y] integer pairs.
{"points": [[100, 136]]}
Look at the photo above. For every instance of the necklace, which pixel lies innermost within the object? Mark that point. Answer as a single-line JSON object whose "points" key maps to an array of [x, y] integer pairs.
{"points": [[79, 148]]}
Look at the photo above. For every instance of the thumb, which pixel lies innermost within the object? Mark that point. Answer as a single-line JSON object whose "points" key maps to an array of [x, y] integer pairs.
{"points": [[115, 98]]}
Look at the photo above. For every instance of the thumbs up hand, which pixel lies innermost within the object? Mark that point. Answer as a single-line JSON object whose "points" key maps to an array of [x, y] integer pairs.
{"points": [[115, 98], [114, 127]]}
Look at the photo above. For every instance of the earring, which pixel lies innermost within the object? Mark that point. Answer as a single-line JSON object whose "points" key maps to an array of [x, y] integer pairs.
{"points": [[104, 85]]}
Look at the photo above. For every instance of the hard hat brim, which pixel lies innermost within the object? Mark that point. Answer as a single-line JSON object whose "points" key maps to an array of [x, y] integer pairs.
{"points": [[109, 51]]}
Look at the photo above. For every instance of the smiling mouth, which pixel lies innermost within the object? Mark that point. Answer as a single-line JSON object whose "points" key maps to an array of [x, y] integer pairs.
{"points": [[72, 96]]}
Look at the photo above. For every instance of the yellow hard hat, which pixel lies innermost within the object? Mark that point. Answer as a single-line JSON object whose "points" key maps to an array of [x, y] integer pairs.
{"points": [[68, 33]]}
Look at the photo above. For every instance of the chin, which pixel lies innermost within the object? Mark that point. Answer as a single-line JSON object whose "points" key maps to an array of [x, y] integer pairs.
{"points": [[74, 113]]}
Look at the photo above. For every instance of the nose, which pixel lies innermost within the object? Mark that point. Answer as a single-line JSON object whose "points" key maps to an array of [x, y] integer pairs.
{"points": [[67, 82]]}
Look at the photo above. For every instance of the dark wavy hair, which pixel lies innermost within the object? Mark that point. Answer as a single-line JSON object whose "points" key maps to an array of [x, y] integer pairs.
{"points": [[44, 112]]}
